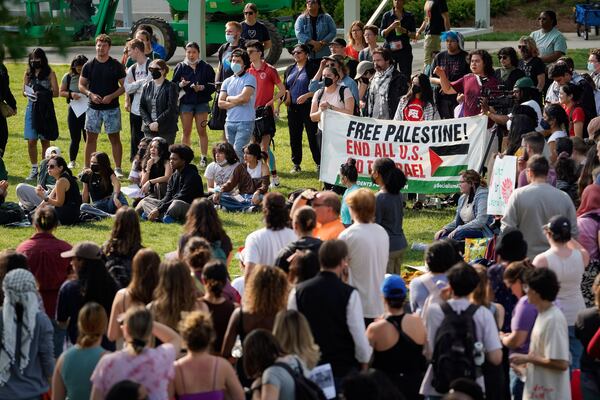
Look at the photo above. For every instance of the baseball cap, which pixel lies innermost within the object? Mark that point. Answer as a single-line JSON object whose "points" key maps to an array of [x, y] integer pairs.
{"points": [[524, 83], [50, 150], [363, 67], [338, 41], [558, 225], [87, 250], [393, 287]]}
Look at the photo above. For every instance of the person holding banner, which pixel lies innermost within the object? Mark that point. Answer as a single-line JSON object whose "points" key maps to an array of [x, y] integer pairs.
{"points": [[472, 219], [417, 104]]}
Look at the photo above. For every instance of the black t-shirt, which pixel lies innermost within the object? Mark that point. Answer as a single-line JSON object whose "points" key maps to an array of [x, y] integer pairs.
{"points": [[258, 31], [436, 21], [455, 65], [103, 80], [313, 25], [532, 68], [95, 187]]}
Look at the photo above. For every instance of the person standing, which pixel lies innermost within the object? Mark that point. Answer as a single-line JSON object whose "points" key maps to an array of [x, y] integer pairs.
{"points": [[398, 27], [7, 97], [158, 104], [547, 363], [297, 78], [370, 35], [550, 42], [436, 21], [315, 28], [252, 29], [237, 96], [357, 40], [102, 81], [40, 81], [531, 64], [509, 73], [386, 87], [267, 79], [233, 41], [454, 62], [593, 66], [338, 48], [137, 76], [69, 88], [197, 79], [146, 39]]}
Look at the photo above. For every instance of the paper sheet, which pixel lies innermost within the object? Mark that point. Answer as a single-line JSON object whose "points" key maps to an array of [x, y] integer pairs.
{"points": [[322, 375], [132, 191], [29, 92], [80, 105]]}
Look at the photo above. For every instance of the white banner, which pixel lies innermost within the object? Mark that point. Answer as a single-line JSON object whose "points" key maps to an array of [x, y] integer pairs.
{"points": [[502, 184], [430, 153]]}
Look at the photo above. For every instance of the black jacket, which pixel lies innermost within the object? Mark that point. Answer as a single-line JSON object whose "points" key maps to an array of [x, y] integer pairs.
{"points": [[185, 186], [166, 108], [204, 74], [5, 93]]}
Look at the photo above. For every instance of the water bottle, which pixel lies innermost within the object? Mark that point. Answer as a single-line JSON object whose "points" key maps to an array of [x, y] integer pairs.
{"points": [[478, 353]]}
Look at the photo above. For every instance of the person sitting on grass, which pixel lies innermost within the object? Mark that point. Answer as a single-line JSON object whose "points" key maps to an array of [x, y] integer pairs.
{"points": [[101, 188], [184, 186]]}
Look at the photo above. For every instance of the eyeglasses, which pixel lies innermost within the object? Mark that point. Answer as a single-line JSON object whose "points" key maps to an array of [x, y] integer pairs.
{"points": [[51, 166], [295, 53], [248, 12], [502, 57], [522, 46]]}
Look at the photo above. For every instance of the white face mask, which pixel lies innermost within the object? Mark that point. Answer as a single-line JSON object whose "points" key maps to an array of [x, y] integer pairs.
{"points": [[187, 61]]}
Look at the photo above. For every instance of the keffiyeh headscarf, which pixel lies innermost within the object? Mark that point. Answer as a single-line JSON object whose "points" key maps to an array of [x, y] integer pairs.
{"points": [[19, 287]]}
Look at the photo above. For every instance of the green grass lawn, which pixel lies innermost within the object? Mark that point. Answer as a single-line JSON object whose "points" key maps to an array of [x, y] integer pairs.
{"points": [[419, 225]]}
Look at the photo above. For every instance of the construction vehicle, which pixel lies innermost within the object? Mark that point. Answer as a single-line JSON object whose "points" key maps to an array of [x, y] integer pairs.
{"points": [[69, 17]]}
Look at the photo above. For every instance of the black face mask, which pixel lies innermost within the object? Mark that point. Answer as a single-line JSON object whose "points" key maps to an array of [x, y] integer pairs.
{"points": [[156, 74], [95, 168], [416, 89], [327, 81], [35, 64]]}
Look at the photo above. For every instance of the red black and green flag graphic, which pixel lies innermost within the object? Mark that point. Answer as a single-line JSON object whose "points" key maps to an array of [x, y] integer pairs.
{"points": [[448, 160]]}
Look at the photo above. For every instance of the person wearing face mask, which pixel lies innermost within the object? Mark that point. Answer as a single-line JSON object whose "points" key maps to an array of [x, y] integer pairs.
{"points": [[40, 121], [386, 87], [219, 171], [333, 96], [297, 100], [593, 66], [101, 188], [136, 78], [237, 96], [69, 89], [364, 73], [233, 41], [197, 79], [417, 103], [337, 62], [531, 63], [158, 105], [454, 62]]}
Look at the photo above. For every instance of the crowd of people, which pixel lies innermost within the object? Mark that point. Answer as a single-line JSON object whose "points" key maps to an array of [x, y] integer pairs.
{"points": [[320, 282]]}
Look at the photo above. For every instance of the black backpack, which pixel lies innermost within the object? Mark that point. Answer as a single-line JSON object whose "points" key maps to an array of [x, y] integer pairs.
{"points": [[304, 388], [454, 348], [356, 110]]}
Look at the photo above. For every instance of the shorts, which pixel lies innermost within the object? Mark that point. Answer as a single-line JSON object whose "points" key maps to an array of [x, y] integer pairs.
{"points": [[29, 132], [432, 43], [264, 124], [197, 108], [95, 118]]}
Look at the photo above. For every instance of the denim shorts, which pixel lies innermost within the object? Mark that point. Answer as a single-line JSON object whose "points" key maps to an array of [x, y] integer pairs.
{"points": [[29, 132], [95, 118], [197, 108]]}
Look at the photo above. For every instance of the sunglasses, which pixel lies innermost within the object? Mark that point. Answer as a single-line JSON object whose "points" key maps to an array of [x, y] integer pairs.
{"points": [[503, 57], [51, 166], [297, 52], [248, 12], [521, 46]]}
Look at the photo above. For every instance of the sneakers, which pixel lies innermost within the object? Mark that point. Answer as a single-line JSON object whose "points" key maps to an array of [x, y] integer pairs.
{"points": [[119, 173], [72, 164], [296, 169], [33, 174], [167, 219], [274, 181], [144, 216], [251, 209], [203, 162]]}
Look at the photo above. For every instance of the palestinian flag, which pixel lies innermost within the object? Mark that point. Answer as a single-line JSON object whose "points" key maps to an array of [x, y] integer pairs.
{"points": [[448, 160]]}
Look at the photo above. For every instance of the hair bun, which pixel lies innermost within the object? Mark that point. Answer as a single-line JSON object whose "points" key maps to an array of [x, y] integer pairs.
{"points": [[351, 162]]}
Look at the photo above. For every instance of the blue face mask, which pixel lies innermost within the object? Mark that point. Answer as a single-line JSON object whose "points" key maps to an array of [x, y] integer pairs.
{"points": [[229, 38], [236, 68], [590, 67], [544, 124]]}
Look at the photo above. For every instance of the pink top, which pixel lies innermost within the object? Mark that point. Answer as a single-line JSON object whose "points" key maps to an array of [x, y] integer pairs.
{"points": [[153, 369]]}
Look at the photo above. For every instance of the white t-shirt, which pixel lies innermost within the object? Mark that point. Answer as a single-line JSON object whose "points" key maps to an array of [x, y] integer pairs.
{"points": [[368, 246], [263, 246], [219, 174], [549, 339], [331, 98], [557, 135], [135, 84]]}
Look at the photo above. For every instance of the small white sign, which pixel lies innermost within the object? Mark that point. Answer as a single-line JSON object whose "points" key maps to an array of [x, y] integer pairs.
{"points": [[502, 184]]}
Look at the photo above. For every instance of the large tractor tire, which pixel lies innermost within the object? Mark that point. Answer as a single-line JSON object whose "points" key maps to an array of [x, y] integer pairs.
{"points": [[163, 32], [272, 55]]}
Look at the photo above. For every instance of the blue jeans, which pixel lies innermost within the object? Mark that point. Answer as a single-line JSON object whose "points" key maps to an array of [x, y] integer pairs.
{"points": [[590, 388], [238, 134], [516, 386], [229, 203], [468, 233], [104, 207], [575, 348]]}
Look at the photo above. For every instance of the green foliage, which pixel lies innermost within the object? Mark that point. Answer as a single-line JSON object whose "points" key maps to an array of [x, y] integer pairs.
{"points": [[419, 226]]}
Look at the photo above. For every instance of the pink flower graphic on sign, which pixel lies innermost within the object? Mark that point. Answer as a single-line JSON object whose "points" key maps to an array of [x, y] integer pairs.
{"points": [[507, 189]]}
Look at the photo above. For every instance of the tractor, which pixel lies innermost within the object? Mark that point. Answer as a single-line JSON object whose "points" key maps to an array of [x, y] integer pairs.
{"points": [[79, 19]]}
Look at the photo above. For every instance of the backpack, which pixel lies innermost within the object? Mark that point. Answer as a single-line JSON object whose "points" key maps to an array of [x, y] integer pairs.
{"points": [[454, 348], [133, 68], [356, 110], [304, 388], [120, 269]]}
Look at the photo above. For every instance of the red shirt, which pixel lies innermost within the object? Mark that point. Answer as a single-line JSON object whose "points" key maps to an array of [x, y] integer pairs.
{"points": [[413, 110], [266, 79], [350, 52], [578, 115], [45, 263], [470, 87]]}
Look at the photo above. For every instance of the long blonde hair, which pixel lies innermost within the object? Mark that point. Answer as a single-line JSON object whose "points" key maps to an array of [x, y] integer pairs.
{"points": [[293, 333], [174, 294]]}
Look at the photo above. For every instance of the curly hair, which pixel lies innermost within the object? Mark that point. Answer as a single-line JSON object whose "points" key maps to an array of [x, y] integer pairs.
{"points": [[197, 331], [266, 291], [174, 294]]}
